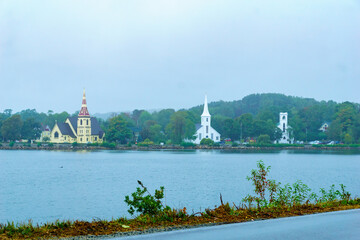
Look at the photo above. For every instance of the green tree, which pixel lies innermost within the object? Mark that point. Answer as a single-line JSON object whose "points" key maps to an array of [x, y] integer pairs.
{"points": [[31, 129], [163, 117], [11, 128], [180, 127], [347, 138], [118, 130], [264, 139], [156, 134]]}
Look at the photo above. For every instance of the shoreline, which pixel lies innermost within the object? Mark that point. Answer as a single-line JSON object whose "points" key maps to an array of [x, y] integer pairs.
{"points": [[145, 224], [173, 147]]}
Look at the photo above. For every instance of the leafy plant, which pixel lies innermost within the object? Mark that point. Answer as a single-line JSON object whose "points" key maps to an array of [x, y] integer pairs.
{"points": [[143, 202], [206, 141], [11, 144]]}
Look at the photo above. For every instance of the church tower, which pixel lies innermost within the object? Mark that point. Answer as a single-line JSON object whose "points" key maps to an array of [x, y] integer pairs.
{"points": [[206, 119], [284, 121], [84, 123]]}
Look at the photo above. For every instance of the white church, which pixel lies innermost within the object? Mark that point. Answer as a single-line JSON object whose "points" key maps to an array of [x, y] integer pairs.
{"points": [[204, 130], [285, 129]]}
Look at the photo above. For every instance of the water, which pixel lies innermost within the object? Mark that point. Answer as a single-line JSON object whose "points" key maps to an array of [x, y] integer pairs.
{"points": [[49, 185]]}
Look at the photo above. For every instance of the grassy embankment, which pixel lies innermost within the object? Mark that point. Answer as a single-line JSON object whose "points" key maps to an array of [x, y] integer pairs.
{"points": [[271, 200]]}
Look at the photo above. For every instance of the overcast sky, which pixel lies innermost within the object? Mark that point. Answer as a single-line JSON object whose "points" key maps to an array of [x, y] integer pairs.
{"points": [[168, 54]]}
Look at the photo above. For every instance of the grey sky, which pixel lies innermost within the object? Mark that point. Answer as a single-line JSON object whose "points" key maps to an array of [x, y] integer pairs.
{"points": [[168, 54]]}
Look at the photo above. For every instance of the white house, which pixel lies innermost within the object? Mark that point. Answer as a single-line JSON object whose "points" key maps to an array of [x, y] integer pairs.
{"points": [[324, 127], [204, 130], [285, 129]]}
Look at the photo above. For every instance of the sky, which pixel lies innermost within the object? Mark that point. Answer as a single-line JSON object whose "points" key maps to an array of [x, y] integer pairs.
{"points": [[168, 54]]}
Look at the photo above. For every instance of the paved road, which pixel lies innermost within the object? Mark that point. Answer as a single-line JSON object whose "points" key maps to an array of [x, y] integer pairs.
{"points": [[334, 225]]}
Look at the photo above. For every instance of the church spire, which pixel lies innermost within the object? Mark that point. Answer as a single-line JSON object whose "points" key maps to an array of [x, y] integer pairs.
{"points": [[206, 110], [84, 111]]}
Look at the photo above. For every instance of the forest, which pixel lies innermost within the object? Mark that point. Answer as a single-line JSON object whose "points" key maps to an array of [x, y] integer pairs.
{"points": [[252, 118]]}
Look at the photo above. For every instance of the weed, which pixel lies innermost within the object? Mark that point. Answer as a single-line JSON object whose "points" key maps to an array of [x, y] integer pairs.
{"points": [[145, 204]]}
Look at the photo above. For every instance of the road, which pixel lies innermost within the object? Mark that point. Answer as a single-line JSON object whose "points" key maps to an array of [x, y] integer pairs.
{"points": [[333, 225]]}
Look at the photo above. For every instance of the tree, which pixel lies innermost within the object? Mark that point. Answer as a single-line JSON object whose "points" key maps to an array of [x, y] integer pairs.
{"points": [[156, 134], [30, 129], [264, 139], [11, 128], [118, 130], [163, 117], [180, 127]]}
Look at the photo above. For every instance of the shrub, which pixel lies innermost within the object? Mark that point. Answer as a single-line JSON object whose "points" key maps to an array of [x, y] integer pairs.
{"points": [[50, 144], [74, 144], [11, 144], [264, 139], [187, 144], [145, 204], [38, 144], [207, 142], [234, 144], [108, 145], [146, 143]]}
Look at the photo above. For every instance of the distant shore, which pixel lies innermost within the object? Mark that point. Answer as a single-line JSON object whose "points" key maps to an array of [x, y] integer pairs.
{"points": [[67, 147]]}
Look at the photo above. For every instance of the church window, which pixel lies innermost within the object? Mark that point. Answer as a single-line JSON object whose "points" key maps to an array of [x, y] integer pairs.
{"points": [[80, 139], [283, 127], [65, 137], [207, 136], [212, 136], [56, 135], [207, 129], [95, 138], [199, 135], [283, 117], [207, 119], [217, 137], [80, 122], [87, 139], [87, 122]]}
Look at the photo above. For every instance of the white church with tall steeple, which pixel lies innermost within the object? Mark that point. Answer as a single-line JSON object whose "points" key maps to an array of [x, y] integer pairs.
{"points": [[204, 130], [285, 129]]}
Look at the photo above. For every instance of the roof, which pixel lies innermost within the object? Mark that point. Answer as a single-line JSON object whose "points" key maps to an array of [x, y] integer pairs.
{"points": [[206, 109], [95, 126], [65, 129], [197, 126]]}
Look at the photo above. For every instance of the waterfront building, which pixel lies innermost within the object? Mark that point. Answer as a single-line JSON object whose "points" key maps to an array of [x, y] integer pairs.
{"points": [[285, 129], [80, 129], [45, 134], [204, 129], [324, 127]]}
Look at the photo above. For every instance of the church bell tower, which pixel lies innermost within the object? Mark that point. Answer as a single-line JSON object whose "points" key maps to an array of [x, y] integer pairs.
{"points": [[84, 123], [206, 119]]}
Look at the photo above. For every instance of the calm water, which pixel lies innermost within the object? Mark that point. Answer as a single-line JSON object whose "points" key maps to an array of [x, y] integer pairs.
{"points": [[49, 185]]}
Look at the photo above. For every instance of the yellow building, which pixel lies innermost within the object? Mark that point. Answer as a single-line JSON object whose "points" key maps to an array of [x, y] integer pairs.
{"points": [[80, 129]]}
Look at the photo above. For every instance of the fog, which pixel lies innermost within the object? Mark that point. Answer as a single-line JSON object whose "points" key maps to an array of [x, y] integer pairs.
{"points": [[169, 54]]}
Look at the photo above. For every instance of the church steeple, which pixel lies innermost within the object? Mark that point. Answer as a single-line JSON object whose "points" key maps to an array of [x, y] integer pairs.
{"points": [[206, 110], [84, 111]]}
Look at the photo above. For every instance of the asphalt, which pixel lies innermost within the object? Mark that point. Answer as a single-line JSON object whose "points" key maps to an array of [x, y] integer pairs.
{"points": [[333, 225]]}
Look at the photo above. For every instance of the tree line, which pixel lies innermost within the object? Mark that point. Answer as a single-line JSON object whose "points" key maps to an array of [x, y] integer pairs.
{"points": [[253, 116]]}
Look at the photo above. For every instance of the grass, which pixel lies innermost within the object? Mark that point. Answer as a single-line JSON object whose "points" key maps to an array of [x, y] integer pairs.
{"points": [[167, 218]]}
